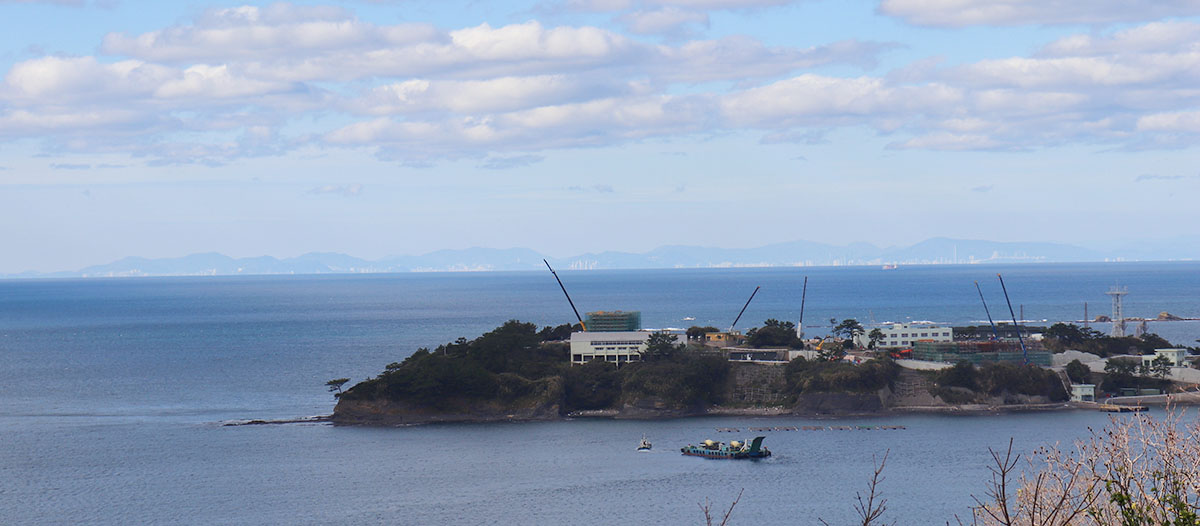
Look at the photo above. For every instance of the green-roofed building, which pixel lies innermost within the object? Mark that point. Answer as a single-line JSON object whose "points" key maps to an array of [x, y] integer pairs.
{"points": [[614, 321], [978, 352]]}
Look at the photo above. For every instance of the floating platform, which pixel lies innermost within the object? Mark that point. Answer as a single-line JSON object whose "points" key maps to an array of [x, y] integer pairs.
{"points": [[852, 428], [813, 428]]}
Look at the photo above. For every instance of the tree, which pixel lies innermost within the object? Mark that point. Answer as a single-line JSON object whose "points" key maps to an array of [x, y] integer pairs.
{"points": [[661, 345], [1160, 367], [773, 333], [336, 384], [1071, 336], [697, 333], [963, 375], [849, 328], [558, 333], [1151, 341], [1120, 373], [1135, 472], [1079, 373], [875, 337]]}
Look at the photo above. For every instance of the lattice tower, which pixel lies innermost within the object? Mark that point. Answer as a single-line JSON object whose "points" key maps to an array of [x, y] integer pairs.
{"points": [[1118, 316]]}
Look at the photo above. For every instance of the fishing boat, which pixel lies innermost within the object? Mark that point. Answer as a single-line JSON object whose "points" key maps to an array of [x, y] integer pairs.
{"points": [[644, 445], [733, 450]]}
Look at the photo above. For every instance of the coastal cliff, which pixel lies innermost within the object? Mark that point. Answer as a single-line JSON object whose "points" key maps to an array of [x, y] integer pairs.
{"points": [[386, 412]]}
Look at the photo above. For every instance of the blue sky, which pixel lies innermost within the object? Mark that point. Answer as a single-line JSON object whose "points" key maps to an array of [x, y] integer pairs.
{"points": [[380, 128]]}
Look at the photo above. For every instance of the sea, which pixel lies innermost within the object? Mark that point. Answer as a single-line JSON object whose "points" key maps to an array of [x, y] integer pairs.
{"points": [[114, 392]]}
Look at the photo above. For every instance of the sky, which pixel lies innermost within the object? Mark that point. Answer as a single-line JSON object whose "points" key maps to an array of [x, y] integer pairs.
{"points": [[382, 128]]}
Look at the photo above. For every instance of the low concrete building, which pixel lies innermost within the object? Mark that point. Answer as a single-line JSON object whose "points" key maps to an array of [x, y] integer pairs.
{"points": [[1083, 392], [616, 347], [723, 339], [1177, 357], [906, 334]]}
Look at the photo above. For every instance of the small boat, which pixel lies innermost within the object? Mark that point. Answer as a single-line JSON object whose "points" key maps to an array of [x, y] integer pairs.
{"points": [[733, 450], [644, 445], [689, 318], [890, 266]]}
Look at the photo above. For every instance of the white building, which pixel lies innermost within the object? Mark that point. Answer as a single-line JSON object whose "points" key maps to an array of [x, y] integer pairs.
{"points": [[1177, 357], [615, 347], [905, 334], [1083, 392]]}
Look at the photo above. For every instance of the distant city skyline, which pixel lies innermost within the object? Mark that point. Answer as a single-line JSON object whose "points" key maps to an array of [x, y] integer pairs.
{"points": [[936, 251], [384, 128]]}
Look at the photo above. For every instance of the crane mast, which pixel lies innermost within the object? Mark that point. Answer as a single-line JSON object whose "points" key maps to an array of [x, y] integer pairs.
{"points": [[739, 316], [564, 289]]}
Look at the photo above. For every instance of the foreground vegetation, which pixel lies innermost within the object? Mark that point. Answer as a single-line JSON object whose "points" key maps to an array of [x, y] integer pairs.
{"points": [[1137, 471]]}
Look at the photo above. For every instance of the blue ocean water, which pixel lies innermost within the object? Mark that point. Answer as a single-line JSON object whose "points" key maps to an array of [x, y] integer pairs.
{"points": [[113, 390]]}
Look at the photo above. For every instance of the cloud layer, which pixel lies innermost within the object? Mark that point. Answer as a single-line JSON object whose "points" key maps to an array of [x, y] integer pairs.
{"points": [[252, 81]]}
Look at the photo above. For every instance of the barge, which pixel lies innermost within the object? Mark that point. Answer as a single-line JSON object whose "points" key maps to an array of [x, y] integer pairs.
{"points": [[733, 450]]}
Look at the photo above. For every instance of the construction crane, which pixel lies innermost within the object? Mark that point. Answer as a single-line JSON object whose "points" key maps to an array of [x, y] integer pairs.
{"points": [[564, 289], [803, 295], [1024, 353], [995, 335], [739, 316]]}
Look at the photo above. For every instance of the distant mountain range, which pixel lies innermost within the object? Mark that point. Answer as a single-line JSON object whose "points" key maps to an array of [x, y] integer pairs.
{"points": [[796, 253]]}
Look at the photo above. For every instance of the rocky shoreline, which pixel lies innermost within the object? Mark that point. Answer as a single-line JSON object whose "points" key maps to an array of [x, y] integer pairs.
{"points": [[644, 414]]}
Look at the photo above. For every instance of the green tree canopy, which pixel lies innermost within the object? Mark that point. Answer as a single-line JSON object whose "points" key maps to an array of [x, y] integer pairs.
{"points": [[1079, 373], [774, 333], [661, 346], [336, 384], [875, 336], [696, 333], [848, 329]]}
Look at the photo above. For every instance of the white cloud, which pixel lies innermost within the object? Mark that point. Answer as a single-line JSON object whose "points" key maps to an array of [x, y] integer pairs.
{"points": [[959, 13], [1081, 71], [476, 96], [821, 100], [1169, 37], [509, 162], [1182, 121], [71, 3], [948, 142], [723, 4], [665, 19], [343, 190], [603, 6], [592, 123], [252, 81], [279, 30], [743, 59]]}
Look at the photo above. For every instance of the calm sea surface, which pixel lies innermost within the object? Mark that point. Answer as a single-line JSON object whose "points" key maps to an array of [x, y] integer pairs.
{"points": [[112, 393]]}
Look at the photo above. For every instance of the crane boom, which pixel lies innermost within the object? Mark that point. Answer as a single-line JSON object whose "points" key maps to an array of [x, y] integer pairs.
{"points": [[564, 289], [985, 309], [803, 295], [1024, 353], [739, 316]]}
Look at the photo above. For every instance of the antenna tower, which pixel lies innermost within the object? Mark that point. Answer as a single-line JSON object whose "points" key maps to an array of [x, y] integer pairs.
{"points": [[1118, 316]]}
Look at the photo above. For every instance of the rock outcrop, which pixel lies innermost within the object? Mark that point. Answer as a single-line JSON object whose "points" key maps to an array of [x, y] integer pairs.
{"points": [[546, 404]]}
